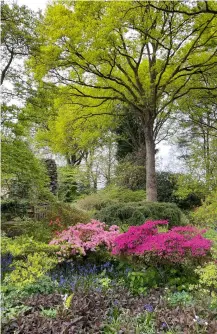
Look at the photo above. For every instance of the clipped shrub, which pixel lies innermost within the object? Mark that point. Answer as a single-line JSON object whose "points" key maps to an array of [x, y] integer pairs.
{"points": [[137, 213], [84, 238], [178, 245]]}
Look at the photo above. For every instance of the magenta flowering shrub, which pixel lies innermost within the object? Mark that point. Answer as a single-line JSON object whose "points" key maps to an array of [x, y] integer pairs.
{"points": [[176, 245], [84, 238]]}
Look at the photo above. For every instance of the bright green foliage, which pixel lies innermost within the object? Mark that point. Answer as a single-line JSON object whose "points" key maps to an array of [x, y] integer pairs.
{"points": [[28, 271], [187, 184], [103, 56], [206, 215], [24, 245], [68, 301], [85, 133], [23, 175], [138, 57], [208, 273], [105, 282], [208, 276], [123, 195]]}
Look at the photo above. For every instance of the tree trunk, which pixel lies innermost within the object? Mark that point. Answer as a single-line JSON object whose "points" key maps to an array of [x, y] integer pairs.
{"points": [[151, 184]]}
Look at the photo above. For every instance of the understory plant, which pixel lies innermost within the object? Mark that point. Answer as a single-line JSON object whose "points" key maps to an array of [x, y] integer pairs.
{"points": [[82, 239], [29, 270], [125, 322], [23, 245], [208, 276]]}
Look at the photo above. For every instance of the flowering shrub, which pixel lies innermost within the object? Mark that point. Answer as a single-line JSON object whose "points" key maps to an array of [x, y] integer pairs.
{"points": [[83, 238], [175, 245], [56, 226], [56, 223]]}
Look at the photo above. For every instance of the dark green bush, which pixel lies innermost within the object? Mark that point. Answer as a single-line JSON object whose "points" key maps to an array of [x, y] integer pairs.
{"points": [[137, 213], [38, 226], [11, 208]]}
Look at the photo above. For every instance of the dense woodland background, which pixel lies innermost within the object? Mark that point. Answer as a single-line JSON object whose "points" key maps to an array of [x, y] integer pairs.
{"points": [[96, 87], [99, 235]]}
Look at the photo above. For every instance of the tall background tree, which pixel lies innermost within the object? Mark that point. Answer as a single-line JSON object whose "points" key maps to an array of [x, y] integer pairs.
{"points": [[23, 176], [144, 55]]}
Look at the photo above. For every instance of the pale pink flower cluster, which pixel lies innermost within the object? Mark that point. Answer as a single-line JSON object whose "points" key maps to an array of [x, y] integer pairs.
{"points": [[82, 238]]}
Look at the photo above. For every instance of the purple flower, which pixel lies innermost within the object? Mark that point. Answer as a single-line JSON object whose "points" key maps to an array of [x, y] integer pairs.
{"points": [[164, 325], [148, 308], [6, 261]]}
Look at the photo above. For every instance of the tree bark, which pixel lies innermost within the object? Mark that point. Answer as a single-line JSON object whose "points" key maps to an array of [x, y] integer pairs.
{"points": [[151, 184]]}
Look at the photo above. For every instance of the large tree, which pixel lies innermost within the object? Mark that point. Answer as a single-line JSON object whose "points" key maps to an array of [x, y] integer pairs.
{"points": [[144, 55], [23, 175]]}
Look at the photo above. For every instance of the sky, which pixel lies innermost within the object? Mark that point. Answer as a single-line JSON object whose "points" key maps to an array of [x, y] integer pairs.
{"points": [[33, 4], [166, 156]]}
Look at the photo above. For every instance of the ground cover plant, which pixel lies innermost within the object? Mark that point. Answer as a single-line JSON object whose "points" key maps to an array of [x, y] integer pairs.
{"points": [[91, 290]]}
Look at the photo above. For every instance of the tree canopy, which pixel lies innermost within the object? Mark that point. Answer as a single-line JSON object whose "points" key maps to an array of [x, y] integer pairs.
{"points": [[142, 54]]}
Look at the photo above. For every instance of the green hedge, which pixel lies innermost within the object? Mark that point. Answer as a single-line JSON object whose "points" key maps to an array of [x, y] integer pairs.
{"points": [[137, 213]]}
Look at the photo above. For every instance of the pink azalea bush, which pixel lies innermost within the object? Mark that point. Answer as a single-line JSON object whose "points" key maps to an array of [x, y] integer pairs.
{"points": [[175, 245], [84, 238]]}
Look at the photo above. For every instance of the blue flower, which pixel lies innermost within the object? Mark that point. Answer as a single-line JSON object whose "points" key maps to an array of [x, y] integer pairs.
{"points": [[6, 261], [148, 308]]}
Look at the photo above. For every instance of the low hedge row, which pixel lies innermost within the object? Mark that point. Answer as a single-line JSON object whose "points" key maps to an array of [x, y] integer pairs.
{"points": [[136, 213]]}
